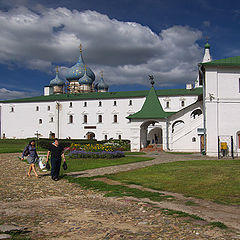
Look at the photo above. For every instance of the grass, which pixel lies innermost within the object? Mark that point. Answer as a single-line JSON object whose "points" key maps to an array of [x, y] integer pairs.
{"points": [[180, 214], [14, 145], [17, 235], [218, 224], [117, 190], [215, 180], [82, 164]]}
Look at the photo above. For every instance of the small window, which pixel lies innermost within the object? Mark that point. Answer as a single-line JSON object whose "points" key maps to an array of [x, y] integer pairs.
{"points": [[70, 118], [37, 108], [119, 137], [115, 118], [40, 121], [48, 108], [105, 137], [193, 139], [85, 104], [130, 102], [70, 104], [239, 85], [12, 109], [115, 103], [84, 118], [167, 104], [182, 103], [51, 119], [100, 118], [100, 104]]}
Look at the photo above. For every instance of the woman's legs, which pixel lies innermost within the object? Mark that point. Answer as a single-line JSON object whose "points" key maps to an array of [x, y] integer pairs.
{"points": [[34, 170], [29, 171]]}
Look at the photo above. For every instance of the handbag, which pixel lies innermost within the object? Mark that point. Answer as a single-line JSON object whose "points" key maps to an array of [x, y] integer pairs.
{"points": [[47, 166], [64, 166]]}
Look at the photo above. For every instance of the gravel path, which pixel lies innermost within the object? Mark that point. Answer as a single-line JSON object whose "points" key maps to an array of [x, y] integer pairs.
{"points": [[62, 210]]}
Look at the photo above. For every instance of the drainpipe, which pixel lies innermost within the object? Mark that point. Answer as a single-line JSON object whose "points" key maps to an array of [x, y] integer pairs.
{"points": [[167, 133], [58, 125], [204, 107]]}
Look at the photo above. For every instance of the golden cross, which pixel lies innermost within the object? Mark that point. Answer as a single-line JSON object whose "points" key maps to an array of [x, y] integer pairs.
{"points": [[80, 47], [56, 69]]}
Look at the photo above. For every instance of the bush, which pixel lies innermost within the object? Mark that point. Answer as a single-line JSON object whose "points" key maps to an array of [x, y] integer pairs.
{"points": [[44, 142], [75, 154]]}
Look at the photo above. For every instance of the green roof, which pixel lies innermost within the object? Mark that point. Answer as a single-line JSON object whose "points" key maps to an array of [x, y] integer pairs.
{"points": [[108, 95], [151, 109], [232, 61]]}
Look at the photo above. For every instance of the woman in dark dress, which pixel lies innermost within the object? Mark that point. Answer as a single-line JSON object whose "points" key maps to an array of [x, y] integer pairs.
{"points": [[57, 154], [32, 157]]}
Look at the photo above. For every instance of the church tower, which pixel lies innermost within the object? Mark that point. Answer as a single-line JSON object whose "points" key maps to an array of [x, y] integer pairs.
{"points": [[206, 58]]}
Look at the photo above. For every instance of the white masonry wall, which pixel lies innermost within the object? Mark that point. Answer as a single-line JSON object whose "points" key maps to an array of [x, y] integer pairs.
{"points": [[222, 106]]}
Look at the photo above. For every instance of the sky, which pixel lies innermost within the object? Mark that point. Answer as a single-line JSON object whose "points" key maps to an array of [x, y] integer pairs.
{"points": [[127, 40]]}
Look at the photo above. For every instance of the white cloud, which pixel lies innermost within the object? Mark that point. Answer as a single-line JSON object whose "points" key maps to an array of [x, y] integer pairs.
{"points": [[126, 51], [6, 94]]}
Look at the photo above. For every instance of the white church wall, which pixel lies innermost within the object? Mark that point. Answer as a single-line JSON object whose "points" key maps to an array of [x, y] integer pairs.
{"points": [[222, 106]]}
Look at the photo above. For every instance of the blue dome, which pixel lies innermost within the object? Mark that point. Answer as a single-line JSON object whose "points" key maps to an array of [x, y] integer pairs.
{"points": [[57, 81], [85, 79], [101, 85], [77, 71]]}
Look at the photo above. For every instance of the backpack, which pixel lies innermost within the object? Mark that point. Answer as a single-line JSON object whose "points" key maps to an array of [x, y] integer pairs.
{"points": [[26, 151]]}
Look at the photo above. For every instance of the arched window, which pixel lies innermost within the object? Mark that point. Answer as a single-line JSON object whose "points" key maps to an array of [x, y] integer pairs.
{"points": [[85, 104], [196, 112], [115, 119], [105, 137], [119, 137], [193, 139], [176, 124], [100, 118], [115, 103], [48, 108], [130, 102], [12, 109], [40, 121], [182, 103], [51, 120], [37, 108], [70, 104], [70, 118], [100, 104], [84, 118]]}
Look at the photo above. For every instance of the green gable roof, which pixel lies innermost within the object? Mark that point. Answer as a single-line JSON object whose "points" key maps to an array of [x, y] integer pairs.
{"points": [[108, 95], [151, 109], [232, 61]]}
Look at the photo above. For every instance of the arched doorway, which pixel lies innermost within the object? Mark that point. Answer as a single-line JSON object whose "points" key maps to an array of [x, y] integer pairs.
{"points": [[150, 133], [155, 136], [90, 135]]}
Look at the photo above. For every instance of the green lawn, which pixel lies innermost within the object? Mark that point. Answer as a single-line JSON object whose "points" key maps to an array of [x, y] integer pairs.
{"points": [[14, 145], [215, 180], [75, 165]]}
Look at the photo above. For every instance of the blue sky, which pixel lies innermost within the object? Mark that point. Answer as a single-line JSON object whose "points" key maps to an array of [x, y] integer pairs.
{"points": [[127, 39]]}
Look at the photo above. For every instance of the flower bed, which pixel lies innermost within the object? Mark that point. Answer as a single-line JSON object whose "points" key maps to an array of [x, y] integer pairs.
{"points": [[102, 154]]}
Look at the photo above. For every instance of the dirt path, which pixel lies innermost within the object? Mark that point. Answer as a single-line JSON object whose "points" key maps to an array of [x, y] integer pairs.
{"points": [[62, 210]]}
